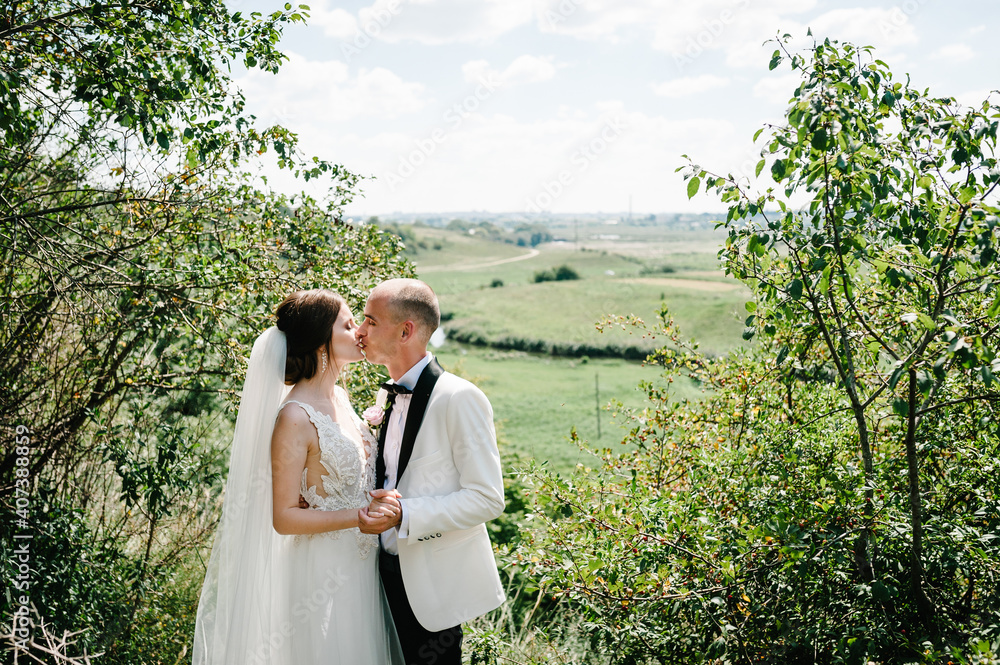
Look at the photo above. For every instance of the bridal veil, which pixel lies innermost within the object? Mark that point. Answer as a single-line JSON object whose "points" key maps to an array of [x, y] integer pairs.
{"points": [[241, 616]]}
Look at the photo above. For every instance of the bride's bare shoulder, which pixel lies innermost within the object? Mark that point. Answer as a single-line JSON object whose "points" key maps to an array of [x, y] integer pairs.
{"points": [[294, 422]]}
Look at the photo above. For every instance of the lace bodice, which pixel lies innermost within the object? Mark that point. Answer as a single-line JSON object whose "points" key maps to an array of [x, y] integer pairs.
{"points": [[350, 471]]}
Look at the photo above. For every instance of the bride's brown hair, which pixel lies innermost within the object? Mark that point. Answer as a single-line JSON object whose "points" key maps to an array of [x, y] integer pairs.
{"points": [[307, 318]]}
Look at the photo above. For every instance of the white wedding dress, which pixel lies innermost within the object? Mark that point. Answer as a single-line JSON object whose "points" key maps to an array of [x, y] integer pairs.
{"points": [[333, 588], [270, 599]]}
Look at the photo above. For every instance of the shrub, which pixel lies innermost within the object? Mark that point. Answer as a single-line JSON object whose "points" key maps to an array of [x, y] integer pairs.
{"points": [[565, 272], [728, 530], [657, 270], [558, 273], [545, 276]]}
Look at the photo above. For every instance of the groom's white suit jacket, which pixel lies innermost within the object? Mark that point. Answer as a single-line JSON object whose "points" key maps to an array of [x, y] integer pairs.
{"points": [[451, 482]]}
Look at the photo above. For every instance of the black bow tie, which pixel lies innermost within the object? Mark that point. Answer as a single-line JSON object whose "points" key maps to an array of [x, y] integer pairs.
{"points": [[396, 389]]}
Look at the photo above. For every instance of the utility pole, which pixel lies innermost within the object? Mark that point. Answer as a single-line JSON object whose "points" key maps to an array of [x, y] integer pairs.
{"points": [[597, 404]]}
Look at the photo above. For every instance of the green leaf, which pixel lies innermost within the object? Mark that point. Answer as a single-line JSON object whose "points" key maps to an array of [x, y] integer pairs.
{"points": [[795, 289], [966, 194], [994, 308], [760, 167], [163, 140], [987, 373], [775, 60], [926, 321], [778, 170], [819, 139], [782, 354], [901, 407], [896, 375], [692, 188]]}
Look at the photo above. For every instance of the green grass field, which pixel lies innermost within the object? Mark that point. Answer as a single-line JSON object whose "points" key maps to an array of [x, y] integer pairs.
{"points": [[537, 400], [711, 312]]}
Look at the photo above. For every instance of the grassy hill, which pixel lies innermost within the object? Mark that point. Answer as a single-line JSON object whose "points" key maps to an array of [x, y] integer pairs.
{"points": [[563, 314], [538, 398]]}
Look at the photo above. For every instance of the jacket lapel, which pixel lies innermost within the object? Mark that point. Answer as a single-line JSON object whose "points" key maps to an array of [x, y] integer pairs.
{"points": [[380, 459], [415, 413]]}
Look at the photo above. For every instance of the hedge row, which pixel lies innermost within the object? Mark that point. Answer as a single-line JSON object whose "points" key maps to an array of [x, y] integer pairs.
{"points": [[567, 349]]}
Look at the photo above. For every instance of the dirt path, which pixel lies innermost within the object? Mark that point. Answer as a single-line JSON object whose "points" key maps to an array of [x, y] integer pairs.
{"points": [[532, 253]]}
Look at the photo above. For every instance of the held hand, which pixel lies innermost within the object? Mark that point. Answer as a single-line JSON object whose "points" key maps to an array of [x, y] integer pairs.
{"points": [[379, 494], [375, 523], [385, 507], [385, 503]]}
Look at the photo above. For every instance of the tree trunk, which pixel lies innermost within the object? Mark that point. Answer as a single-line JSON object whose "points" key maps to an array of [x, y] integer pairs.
{"points": [[924, 609]]}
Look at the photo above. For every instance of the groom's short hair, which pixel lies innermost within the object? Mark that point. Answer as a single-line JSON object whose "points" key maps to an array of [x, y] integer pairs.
{"points": [[413, 299]]}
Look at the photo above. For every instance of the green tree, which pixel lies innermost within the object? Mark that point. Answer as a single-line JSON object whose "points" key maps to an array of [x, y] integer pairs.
{"points": [[891, 268], [834, 497], [141, 255]]}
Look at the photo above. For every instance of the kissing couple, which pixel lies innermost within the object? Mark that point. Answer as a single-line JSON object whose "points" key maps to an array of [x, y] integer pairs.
{"points": [[348, 540]]}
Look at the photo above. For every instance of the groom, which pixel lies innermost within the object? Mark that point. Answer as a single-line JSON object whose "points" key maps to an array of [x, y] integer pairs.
{"points": [[438, 448]]}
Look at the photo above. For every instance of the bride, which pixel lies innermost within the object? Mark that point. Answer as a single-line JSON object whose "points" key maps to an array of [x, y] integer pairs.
{"points": [[291, 579]]}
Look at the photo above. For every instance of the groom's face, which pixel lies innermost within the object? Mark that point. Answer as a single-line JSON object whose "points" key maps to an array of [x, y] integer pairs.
{"points": [[377, 335]]}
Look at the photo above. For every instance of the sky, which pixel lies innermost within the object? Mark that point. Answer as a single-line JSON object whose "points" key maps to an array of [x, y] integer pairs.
{"points": [[576, 106]]}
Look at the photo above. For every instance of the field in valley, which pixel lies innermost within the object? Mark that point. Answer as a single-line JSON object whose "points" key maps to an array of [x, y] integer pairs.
{"points": [[488, 293]]}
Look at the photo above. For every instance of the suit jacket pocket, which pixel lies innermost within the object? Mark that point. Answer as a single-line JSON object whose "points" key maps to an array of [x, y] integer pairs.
{"points": [[426, 459]]}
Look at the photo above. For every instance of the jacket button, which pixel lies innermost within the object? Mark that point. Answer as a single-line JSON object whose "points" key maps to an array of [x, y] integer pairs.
{"points": [[439, 535]]}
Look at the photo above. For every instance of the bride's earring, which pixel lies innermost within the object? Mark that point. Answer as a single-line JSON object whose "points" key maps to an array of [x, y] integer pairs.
{"points": [[324, 362]]}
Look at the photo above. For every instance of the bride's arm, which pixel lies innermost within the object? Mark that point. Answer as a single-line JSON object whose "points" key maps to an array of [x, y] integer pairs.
{"points": [[289, 447]]}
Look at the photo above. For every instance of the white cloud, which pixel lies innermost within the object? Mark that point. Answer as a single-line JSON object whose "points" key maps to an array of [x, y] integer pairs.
{"points": [[524, 69], [777, 89], [571, 160], [675, 26], [529, 69], [975, 98], [689, 85], [687, 30], [437, 22], [335, 22], [311, 92], [881, 28], [954, 53], [596, 19], [372, 118]]}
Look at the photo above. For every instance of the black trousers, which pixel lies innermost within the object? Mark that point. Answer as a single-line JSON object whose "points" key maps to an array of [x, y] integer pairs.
{"points": [[420, 646]]}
